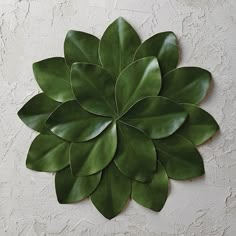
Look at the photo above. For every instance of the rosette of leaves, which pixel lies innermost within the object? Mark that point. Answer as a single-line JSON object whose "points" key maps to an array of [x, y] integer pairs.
{"points": [[117, 119]]}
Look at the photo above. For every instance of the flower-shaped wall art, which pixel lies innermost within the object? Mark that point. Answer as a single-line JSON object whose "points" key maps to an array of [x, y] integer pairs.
{"points": [[117, 119]]}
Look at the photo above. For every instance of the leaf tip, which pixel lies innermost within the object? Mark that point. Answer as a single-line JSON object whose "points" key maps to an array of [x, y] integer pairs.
{"points": [[121, 18], [29, 165], [61, 201], [70, 33], [19, 113]]}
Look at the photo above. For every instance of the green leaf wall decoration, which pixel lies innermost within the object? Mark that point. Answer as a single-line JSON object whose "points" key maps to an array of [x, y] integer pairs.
{"points": [[117, 119]]}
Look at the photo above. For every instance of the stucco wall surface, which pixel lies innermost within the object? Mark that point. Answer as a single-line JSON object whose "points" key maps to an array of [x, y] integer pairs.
{"points": [[31, 30]]}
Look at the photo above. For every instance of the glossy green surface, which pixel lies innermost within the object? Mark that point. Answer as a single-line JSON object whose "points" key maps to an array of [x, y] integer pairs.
{"points": [[94, 155], [36, 111], [117, 46], [94, 88], [117, 116], [53, 77], [71, 122], [113, 192], [135, 156], [186, 85], [152, 195], [48, 153], [158, 117], [71, 189], [199, 126], [179, 157], [140, 79], [164, 46], [81, 47]]}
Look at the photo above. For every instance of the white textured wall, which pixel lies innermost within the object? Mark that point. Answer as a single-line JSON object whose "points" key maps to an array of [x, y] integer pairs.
{"points": [[32, 30]]}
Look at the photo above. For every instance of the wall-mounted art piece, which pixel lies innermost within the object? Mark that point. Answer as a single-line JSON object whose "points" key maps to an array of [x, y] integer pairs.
{"points": [[117, 119]]}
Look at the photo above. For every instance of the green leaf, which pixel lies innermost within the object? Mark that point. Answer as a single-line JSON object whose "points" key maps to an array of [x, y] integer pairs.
{"points": [[53, 77], [152, 195], [94, 155], [48, 153], [135, 155], [140, 79], [186, 85], [164, 46], [36, 111], [71, 122], [113, 192], [117, 46], [71, 189], [157, 117], [179, 157], [199, 126], [81, 47], [94, 88]]}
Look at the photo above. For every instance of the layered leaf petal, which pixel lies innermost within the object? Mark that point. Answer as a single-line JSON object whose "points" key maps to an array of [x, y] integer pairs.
{"points": [[48, 153], [163, 46], [94, 88], [113, 192], [53, 77], [186, 85], [71, 122], [140, 79], [135, 155], [158, 117], [179, 157], [152, 195], [117, 47], [94, 155], [71, 189], [81, 47], [199, 126], [36, 111]]}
